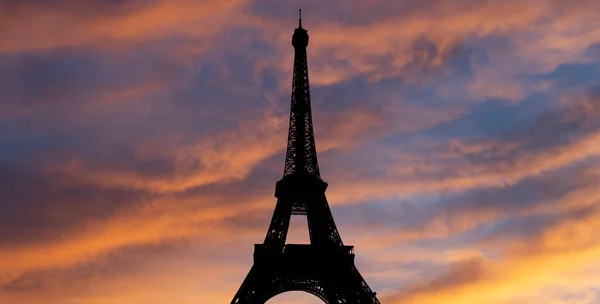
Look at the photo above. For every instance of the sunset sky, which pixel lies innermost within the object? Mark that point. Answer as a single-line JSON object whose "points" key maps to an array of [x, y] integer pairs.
{"points": [[140, 143]]}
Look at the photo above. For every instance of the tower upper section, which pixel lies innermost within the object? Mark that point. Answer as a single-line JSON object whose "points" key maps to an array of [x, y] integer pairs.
{"points": [[301, 155]]}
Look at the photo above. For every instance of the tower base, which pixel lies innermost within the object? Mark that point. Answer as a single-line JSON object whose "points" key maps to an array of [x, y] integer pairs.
{"points": [[328, 274]]}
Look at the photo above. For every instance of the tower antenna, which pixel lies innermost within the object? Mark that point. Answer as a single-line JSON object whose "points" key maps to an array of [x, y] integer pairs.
{"points": [[300, 18]]}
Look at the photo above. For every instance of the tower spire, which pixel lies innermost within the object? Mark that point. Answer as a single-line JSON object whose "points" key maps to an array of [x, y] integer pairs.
{"points": [[301, 154]]}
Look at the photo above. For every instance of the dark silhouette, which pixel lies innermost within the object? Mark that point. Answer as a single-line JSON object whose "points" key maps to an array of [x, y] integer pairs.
{"points": [[325, 267]]}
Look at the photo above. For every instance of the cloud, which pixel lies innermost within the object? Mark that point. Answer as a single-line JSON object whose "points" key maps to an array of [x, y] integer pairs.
{"points": [[135, 268], [557, 254], [91, 23], [140, 142]]}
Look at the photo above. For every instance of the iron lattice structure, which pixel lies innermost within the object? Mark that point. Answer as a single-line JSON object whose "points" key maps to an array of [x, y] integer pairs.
{"points": [[325, 267]]}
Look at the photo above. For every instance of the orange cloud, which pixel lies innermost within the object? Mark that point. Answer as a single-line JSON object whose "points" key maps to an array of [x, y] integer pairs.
{"points": [[65, 26], [556, 257]]}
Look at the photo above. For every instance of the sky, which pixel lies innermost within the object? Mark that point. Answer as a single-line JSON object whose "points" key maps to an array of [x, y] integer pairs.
{"points": [[140, 143]]}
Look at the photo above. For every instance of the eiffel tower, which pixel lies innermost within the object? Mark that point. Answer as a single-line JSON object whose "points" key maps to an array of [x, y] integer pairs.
{"points": [[325, 267]]}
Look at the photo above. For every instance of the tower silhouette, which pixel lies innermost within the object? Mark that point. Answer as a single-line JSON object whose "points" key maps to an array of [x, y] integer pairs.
{"points": [[325, 267]]}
